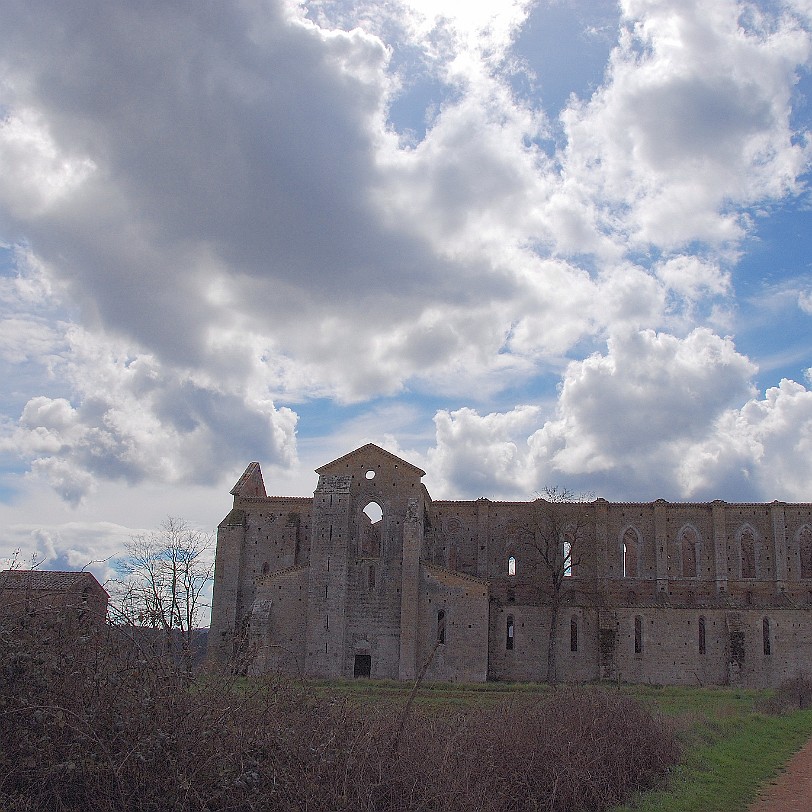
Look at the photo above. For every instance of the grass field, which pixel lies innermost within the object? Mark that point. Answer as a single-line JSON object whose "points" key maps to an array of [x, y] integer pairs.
{"points": [[731, 747], [731, 744]]}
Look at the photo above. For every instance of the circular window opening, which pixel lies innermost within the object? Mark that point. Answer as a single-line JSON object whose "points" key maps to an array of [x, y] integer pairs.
{"points": [[370, 475]]}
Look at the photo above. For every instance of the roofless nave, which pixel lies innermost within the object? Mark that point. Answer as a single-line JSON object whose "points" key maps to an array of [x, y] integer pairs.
{"points": [[713, 593]]}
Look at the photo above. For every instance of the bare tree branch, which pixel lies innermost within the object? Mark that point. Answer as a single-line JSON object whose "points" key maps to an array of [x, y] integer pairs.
{"points": [[557, 540], [165, 574]]}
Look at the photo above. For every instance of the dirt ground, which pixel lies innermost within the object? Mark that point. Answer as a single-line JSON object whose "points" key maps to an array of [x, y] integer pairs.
{"points": [[791, 791]]}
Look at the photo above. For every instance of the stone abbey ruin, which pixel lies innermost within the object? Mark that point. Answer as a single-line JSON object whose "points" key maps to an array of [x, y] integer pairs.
{"points": [[371, 577]]}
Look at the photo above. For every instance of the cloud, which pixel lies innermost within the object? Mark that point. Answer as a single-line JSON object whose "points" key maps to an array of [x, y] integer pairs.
{"points": [[627, 423], [136, 418], [71, 545], [632, 410], [763, 449], [480, 455], [213, 215], [692, 277], [693, 120]]}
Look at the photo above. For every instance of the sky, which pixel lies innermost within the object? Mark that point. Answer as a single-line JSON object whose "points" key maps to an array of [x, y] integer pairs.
{"points": [[519, 244]]}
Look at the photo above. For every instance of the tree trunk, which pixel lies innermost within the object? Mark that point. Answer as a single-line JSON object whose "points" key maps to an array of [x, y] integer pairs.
{"points": [[552, 648]]}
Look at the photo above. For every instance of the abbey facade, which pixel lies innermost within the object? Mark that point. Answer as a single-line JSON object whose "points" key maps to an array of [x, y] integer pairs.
{"points": [[371, 577]]}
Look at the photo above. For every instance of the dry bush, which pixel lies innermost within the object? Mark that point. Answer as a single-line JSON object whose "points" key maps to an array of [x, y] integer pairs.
{"points": [[88, 722], [793, 694]]}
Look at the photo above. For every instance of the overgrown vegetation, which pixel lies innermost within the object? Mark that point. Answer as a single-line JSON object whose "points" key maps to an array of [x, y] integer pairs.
{"points": [[88, 721]]}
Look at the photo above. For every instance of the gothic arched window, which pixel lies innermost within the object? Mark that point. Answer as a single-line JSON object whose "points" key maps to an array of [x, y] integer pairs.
{"points": [[630, 547]]}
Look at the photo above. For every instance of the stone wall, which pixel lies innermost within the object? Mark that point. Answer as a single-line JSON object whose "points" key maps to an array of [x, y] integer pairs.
{"points": [[705, 593]]}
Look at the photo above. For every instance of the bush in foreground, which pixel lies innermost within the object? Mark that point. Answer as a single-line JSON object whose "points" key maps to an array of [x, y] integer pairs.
{"points": [[89, 723]]}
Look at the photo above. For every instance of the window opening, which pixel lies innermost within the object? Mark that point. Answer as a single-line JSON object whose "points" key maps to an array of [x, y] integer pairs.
{"points": [[574, 634], [630, 554], [512, 565], [370, 474], [701, 635], [371, 577], [765, 631], [441, 627], [509, 633], [370, 530], [638, 635], [566, 551]]}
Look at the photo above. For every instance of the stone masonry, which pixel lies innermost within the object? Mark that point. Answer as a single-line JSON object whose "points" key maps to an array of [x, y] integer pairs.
{"points": [[371, 577]]}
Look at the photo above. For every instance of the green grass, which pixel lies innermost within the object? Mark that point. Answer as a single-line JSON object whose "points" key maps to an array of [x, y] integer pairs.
{"points": [[730, 751]]}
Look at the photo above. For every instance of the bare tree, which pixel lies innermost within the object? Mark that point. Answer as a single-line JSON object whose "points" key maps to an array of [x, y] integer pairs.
{"points": [[558, 531], [165, 575], [16, 561]]}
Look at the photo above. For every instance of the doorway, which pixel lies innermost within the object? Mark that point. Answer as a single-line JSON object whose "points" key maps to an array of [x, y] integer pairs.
{"points": [[363, 665]]}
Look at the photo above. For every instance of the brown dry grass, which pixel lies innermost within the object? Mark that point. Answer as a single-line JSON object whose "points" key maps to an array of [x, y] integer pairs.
{"points": [[89, 722]]}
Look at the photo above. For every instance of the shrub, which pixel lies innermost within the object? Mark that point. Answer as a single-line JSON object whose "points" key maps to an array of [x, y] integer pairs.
{"points": [[91, 722], [795, 693]]}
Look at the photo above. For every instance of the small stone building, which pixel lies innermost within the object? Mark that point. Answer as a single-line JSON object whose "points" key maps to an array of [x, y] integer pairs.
{"points": [[48, 596], [371, 577]]}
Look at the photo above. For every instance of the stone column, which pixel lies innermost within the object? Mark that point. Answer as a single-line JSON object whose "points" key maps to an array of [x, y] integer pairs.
{"points": [[601, 540], [661, 543], [410, 590], [780, 552], [327, 578], [483, 525], [720, 546]]}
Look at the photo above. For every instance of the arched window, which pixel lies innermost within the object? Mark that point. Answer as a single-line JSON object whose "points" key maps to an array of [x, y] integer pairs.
{"points": [[630, 549], [747, 550], [701, 635], [512, 565], [573, 633], [509, 633], [441, 627], [765, 633], [688, 551], [566, 552], [371, 577], [638, 635], [805, 548], [370, 530]]}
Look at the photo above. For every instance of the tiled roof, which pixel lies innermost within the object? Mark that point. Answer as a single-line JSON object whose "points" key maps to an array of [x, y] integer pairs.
{"points": [[46, 580]]}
